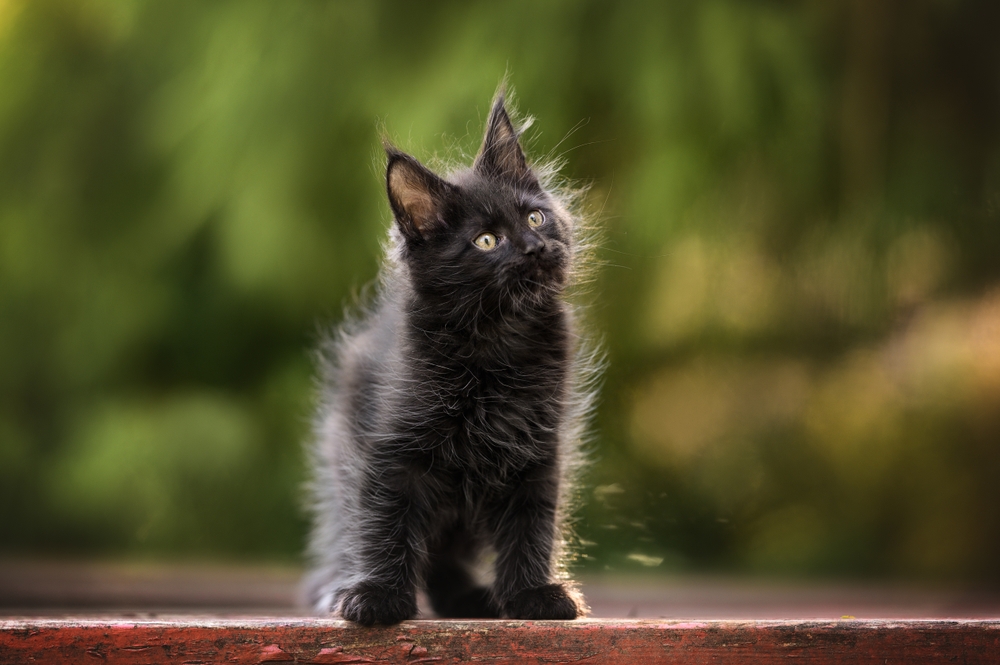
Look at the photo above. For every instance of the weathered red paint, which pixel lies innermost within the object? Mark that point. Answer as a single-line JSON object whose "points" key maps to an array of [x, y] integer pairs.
{"points": [[193, 640]]}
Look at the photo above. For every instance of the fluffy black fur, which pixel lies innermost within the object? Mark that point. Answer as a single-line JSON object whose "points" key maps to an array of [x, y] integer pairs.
{"points": [[451, 412]]}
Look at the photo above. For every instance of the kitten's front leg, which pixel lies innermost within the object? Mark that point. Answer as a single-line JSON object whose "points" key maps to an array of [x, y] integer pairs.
{"points": [[390, 535], [524, 531]]}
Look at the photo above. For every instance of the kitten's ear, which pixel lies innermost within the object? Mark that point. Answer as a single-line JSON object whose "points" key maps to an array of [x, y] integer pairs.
{"points": [[417, 196], [501, 155]]}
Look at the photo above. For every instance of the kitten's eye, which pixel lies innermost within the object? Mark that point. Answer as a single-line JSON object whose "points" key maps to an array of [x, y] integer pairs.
{"points": [[535, 218], [486, 242]]}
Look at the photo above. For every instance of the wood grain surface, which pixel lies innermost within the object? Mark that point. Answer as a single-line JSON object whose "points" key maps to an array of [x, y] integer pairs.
{"points": [[211, 640]]}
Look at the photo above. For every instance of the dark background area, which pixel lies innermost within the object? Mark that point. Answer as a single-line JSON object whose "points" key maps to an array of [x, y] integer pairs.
{"points": [[797, 286]]}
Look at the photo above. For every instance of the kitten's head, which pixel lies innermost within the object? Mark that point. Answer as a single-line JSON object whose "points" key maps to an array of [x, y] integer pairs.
{"points": [[491, 234]]}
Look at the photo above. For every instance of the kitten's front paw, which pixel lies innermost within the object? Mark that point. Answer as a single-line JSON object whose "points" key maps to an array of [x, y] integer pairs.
{"points": [[368, 603], [545, 602]]}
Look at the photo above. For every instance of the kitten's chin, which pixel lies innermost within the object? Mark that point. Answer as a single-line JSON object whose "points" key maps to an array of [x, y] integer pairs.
{"points": [[529, 295], [545, 282], [540, 278]]}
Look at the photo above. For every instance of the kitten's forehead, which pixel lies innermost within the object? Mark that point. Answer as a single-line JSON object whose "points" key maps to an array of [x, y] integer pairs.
{"points": [[491, 196]]}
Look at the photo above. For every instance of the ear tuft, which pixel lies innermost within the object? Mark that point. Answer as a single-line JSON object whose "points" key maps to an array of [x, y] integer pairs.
{"points": [[418, 197], [500, 155]]}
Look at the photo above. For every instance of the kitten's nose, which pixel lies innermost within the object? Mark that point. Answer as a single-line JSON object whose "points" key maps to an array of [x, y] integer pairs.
{"points": [[533, 243]]}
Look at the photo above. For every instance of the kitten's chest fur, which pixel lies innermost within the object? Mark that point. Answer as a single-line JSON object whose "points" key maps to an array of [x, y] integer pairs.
{"points": [[492, 392]]}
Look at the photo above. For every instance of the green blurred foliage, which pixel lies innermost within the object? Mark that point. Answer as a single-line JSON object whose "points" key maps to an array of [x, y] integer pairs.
{"points": [[798, 288]]}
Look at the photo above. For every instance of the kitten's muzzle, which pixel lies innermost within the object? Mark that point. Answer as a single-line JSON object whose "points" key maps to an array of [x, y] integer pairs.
{"points": [[533, 243]]}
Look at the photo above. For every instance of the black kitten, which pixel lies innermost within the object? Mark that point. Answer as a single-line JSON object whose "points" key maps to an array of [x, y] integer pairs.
{"points": [[451, 413]]}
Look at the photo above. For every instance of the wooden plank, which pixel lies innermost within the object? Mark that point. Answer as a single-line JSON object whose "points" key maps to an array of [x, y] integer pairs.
{"points": [[194, 640]]}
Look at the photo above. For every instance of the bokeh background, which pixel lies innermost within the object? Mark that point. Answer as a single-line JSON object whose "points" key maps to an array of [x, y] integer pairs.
{"points": [[798, 285]]}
